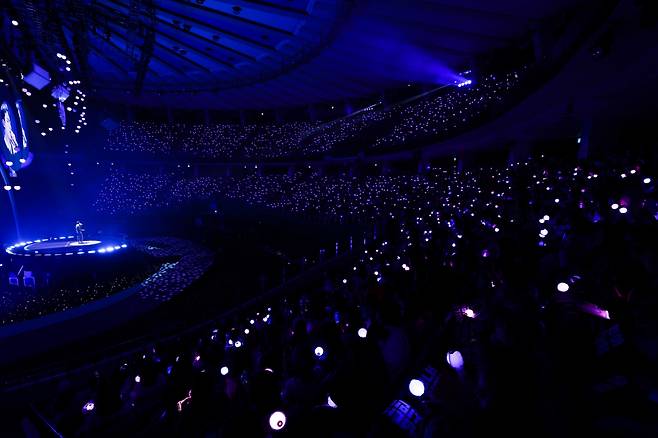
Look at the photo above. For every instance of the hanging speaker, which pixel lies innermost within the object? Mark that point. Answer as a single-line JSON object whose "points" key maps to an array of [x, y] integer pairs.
{"points": [[38, 77]]}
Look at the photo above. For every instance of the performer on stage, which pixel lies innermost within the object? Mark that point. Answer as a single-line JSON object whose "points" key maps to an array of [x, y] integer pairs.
{"points": [[78, 231]]}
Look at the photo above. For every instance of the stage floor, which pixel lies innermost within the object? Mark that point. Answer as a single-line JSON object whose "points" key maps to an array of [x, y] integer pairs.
{"points": [[57, 246]]}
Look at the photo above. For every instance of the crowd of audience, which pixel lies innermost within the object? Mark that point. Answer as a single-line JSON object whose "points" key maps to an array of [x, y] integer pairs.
{"points": [[187, 263], [486, 296], [23, 303], [170, 266], [451, 112], [429, 117], [58, 287]]}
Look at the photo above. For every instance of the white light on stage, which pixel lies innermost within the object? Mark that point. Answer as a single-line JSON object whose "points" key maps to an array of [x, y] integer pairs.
{"points": [[623, 210], [416, 387], [138, 379], [319, 351], [331, 403], [14, 22], [223, 371], [646, 180], [277, 420], [7, 188], [614, 206], [9, 163], [362, 333], [17, 187], [469, 313], [88, 407], [562, 287]]}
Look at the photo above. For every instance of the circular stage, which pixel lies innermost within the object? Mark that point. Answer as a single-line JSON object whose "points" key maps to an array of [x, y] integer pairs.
{"points": [[63, 246]]}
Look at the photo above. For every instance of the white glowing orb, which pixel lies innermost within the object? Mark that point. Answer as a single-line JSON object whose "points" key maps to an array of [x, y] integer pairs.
{"points": [[331, 403], [469, 313], [562, 287], [614, 206], [223, 371], [455, 359], [89, 406], [277, 420], [319, 351], [623, 210], [416, 387], [138, 379], [646, 180], [362, 333]]}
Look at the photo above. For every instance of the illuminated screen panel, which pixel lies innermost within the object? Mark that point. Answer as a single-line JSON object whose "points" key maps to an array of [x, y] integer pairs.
{"points": [[14, 142]]}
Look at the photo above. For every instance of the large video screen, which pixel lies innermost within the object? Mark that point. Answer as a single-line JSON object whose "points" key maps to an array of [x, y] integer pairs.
{"points": [[14, 142]]}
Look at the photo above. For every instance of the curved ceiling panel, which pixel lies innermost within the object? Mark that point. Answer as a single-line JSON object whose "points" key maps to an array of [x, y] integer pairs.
{"points": [[267, 53]]}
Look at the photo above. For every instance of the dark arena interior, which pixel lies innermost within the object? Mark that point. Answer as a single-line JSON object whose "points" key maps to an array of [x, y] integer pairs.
{"points": [[328, 218]]}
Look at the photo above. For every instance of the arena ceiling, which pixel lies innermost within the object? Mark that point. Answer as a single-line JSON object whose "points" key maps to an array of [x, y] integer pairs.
{"points": [[263, 53]]}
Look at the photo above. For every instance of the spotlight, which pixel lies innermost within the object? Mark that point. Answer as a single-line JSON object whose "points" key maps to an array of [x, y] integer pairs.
{"points": [[469, 313], [416, 387], [223, 371], [562, 287], [362, 333], [319, 351], [646, 180], [614, 206], [331, 403], [88, 407], [7, 188], [17, 188], [14, 22], [623, 210], [9, 163], [138, 379], [277, 420]]}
